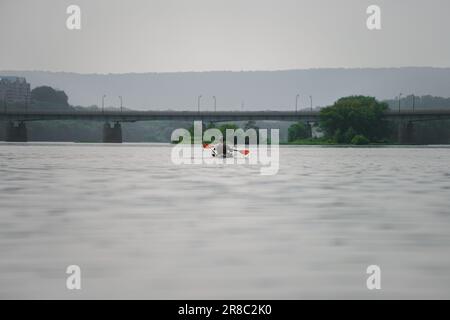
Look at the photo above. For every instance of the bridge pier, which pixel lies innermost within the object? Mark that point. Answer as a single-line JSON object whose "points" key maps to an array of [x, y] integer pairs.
{"points": [[112, 134], [16, 132], [406, 132]]}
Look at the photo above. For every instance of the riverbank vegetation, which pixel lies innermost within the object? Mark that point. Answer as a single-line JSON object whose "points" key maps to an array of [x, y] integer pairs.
{"points": [[356, 120]]}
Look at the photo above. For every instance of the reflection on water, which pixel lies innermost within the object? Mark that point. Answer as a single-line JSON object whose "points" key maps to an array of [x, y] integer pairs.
{"points": [[140, 227]]}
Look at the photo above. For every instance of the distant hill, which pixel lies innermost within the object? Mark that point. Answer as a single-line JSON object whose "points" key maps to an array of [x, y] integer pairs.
{"points": [[260, 90]]}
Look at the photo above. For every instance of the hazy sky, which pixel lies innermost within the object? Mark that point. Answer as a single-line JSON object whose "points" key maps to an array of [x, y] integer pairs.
{"points": [[119, 36]]}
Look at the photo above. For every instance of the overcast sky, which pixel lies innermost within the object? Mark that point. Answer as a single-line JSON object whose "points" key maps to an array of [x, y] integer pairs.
{"points": [[119, 36]]}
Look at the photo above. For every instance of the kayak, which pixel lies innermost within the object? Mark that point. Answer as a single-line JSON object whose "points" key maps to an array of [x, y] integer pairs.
{"points": [[227, 155]]}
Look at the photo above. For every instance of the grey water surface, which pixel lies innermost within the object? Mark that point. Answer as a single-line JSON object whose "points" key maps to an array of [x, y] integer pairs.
{"points": [[140, 226]]}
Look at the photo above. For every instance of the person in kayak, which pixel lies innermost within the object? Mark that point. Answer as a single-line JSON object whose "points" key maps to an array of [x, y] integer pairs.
{"points": [[222, 149]]}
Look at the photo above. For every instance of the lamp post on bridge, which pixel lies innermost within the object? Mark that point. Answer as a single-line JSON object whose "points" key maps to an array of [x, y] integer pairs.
{"points": [[121, 104], [296, 103], [215, 103], [103, 103], [311, 101], [399, 101], [198, 102], [414, 102]]}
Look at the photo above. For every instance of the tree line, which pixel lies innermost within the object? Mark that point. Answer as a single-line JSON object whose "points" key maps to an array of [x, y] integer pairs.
{"points": [[359, 120]]}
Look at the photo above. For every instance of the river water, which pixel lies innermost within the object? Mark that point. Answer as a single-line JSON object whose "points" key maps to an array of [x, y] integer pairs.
{"points": [[141, 227]]}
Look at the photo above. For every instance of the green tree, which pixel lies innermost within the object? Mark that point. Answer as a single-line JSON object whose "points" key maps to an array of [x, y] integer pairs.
{"points": [[223, 128], [298, 131], [251, 124], [359, 140], [48, 95], [355, 115]]}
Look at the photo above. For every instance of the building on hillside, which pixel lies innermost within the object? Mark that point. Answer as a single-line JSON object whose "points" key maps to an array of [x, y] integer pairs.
{"points": [[14, 90]]}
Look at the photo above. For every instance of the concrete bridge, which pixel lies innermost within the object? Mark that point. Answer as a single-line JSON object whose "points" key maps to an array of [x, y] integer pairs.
{"points": [[112, 132]]}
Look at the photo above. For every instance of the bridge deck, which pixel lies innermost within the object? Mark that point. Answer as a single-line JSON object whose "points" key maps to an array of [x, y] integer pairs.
{"points": [[133, 116]]}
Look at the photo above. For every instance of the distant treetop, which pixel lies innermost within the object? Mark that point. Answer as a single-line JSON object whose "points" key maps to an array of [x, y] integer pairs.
{"points": [[46, 94]]}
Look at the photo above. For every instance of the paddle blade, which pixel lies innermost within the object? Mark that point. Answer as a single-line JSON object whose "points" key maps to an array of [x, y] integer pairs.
{"points": [[245, 152]]}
